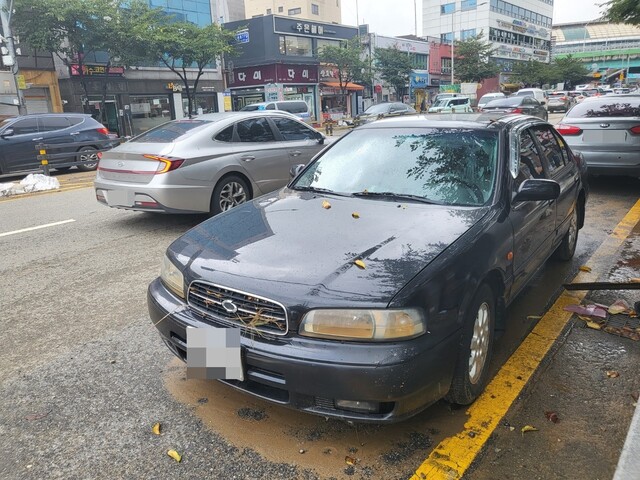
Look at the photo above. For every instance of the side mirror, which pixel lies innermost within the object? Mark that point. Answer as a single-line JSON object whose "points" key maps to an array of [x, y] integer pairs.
{"points": [[536, 190], [296, 169], [320, 138], [7, 133]]}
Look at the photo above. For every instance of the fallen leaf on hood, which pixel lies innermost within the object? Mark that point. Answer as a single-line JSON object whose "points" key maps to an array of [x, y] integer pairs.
{"points": [[175, 455], [355, 215], [326, 204], [360, 264], [551, 416], [156, 428], [528, 428], [349, 460], [584, 268], [612, 374]]}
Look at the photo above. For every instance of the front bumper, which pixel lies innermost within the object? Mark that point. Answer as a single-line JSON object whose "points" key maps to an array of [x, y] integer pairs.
{"points": [[308, 374]]}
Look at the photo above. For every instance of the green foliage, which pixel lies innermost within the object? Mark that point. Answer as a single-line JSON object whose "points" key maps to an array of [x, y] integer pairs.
{"points": [[570, 70], [346, 58], [624, 11], [394, 67], [532, 73], [472, 59]]}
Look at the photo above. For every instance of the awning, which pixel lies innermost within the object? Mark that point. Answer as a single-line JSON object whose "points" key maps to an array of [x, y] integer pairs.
{"points": [[350, 86]]}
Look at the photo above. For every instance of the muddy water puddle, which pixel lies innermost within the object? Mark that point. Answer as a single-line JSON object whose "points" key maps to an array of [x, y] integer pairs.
{"points": [[331, 448]]}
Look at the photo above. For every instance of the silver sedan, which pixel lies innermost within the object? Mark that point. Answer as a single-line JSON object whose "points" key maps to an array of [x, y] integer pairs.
{"points": [[206, 164]]}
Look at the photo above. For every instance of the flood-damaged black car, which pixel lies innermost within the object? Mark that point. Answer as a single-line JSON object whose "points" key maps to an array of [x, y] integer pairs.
{"points": [[373, 284]]}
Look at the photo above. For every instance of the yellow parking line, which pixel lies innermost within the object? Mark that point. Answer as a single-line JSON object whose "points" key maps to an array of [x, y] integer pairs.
{"points": [[453, 456]]}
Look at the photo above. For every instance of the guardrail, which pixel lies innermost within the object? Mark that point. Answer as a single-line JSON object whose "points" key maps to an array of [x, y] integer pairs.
{"points": [[73, 152]]}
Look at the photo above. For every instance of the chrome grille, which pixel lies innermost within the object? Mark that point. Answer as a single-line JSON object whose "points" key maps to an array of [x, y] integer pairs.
{"points": [[252, 312]]}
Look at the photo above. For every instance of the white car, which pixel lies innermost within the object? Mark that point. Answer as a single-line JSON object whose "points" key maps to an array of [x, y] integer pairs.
{"points": [[452, 105], [487, 97]]}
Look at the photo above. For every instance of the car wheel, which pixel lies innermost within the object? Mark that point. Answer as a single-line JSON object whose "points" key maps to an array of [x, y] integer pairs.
{"points": [[567, 248], [229, 192], [87, 154], [472, 366]]}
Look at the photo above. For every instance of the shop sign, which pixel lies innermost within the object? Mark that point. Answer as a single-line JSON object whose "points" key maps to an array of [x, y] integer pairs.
{"points": [[280, 73], [297, 73], [96, 70], [271, 92], [288, 26], [418, 79], [328, 74], [174, 87], [378, 88], [242, 36]]}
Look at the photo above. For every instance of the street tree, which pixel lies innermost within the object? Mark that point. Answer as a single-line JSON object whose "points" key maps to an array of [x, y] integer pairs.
{"points": [[394, 67], [532, 73], [346, 58], [570, 70], [473, 59], [186, 49], [623, 11]]}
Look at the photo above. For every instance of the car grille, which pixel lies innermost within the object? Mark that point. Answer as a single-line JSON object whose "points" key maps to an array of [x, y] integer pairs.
{"points": [[243, 309]]}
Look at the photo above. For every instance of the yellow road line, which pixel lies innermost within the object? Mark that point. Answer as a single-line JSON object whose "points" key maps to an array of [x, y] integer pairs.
{"points": [[453, 456]]}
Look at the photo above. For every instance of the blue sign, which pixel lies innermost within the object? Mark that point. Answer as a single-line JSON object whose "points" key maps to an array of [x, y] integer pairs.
{"points": [[418, 80], [242, 36]]}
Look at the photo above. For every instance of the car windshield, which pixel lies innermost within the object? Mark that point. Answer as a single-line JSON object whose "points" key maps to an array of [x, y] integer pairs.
{"points": [[252, 108], [440, 103], [170, 131], [380, 108], [505, 102], [455, 166], [5, 122], [607, 107]]}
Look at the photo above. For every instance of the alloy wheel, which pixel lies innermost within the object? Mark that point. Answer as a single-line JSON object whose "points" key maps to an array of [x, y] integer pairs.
{"points": [[232, 194], [479, 343]]}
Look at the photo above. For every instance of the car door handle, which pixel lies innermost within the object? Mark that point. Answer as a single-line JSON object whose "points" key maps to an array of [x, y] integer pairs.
{"points": [[295, 153], [74, 133], [36, 139], [247, 158]]}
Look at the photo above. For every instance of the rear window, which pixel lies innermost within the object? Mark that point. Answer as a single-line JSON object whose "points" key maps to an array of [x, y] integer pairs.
{"points": [[505, 102], [293, 107], [54, 123], [171, 131], [488, 98], [606, 107], [252, 108]]}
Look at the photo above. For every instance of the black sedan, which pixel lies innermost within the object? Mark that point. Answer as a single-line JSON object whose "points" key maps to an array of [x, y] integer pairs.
{"points": [[372, 285], [517, 104], [383, 110]]}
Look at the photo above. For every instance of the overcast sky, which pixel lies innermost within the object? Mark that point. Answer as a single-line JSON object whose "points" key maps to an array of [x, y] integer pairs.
{"points": [[395, 17]]}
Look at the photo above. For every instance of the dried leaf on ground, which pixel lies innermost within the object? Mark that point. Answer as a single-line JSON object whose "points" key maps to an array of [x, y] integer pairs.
{"points": [[528, 428], [635, 396], [634, 280], [613, 374], [355, 215], [619, 306], [552, 416], [584, 268], [156, 428], [326, 204], [511, 429], [349, 460], [175, 455], [360, 264], [594, 325]]}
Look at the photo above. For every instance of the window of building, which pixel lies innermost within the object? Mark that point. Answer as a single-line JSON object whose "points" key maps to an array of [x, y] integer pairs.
{"points": [[468, 4], [268, 11], [447, 8], [445, 65], [315, 9], [464, 34], [446, 37], [295, 46], [321, 43], [280, 9], [294, 11], [421, 61]]}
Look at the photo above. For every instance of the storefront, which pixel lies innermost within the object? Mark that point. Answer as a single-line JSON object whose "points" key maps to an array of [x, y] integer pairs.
{"points": [[336, 100]]}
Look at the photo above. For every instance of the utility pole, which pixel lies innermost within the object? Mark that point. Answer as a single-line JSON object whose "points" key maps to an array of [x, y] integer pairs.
{"points": [[10, 60]]}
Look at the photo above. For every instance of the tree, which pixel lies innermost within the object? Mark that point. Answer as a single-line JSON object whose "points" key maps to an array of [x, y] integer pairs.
{"points": [[532, 73], [394, 66], [624, 11], [472, 59], [185, 48], [347, 60], [570, 70]]}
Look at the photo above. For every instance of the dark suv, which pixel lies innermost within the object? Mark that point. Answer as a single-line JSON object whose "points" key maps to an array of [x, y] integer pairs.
{"points": [[20, 135]]}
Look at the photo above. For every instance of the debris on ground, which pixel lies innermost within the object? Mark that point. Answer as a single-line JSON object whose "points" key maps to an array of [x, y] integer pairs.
{"points": [[616, 319], [175, 455], [591, 310], [584, 268], [552, 416], [156, 428], [34, 182], [612, 374], [528, 428]]}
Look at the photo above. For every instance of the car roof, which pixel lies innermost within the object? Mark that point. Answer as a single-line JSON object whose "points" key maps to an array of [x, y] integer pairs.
{"points": [[216, 117], [453, 120]]}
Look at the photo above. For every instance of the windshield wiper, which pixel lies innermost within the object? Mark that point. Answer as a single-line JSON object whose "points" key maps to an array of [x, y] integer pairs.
{"points": [[318, 190], [396, 196]]}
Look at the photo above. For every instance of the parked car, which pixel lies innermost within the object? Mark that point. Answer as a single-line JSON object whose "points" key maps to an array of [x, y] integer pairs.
{"points": [[559, 101], [20, 135], [382, 110], [606, 131], [577, 96], [537, 93], [372, 285], [452, 105], [524, 105], [207, 164], [486, 98], [299, 108]]}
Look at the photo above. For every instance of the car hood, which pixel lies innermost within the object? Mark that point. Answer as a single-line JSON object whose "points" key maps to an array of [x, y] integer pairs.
{"points": [[288, 247]]}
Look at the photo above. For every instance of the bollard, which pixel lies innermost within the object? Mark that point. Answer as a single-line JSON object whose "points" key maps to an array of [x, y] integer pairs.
{"points": [[45, 163]]}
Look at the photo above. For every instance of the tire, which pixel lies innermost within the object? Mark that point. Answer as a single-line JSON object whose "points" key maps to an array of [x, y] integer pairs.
{"points": [[472, 366], [63, 169], [86, 155], [229, 192], [567, 248]]}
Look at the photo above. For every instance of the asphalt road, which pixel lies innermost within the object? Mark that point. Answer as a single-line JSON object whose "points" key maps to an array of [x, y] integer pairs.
{"points": [[84, 376]]}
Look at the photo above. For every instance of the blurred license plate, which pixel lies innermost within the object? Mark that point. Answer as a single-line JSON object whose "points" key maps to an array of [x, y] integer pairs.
{"points": [[214, 353], [120, 198], [604, 136]]}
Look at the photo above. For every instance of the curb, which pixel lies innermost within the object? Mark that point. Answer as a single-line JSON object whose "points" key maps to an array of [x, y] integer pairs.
{"points": [[629, 461]]}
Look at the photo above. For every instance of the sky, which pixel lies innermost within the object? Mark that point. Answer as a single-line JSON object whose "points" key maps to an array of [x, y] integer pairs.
{"points": [[396, 17]]}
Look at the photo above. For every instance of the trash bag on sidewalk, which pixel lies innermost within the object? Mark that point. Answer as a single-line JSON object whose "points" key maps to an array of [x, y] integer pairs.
{"points": [[34, 182]]}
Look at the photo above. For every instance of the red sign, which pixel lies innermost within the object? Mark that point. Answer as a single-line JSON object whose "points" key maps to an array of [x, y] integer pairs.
{"points": [[279, 73], [378, 88], [96, 70]]}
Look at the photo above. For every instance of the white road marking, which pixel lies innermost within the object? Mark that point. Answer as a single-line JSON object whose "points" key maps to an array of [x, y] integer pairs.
{"points": [[36, 228]]}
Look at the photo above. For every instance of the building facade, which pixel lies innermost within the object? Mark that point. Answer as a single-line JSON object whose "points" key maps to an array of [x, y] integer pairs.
{"points": [[327, 11], [278, 60], [518, 30], [229, 10], [611, 51]]}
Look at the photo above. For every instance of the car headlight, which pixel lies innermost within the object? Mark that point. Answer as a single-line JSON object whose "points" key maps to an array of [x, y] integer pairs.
{"points": [[172, 277], [363, 325]]}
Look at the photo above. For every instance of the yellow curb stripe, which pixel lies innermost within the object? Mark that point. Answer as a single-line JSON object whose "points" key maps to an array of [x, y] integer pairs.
{"points": [[454, 455]]}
